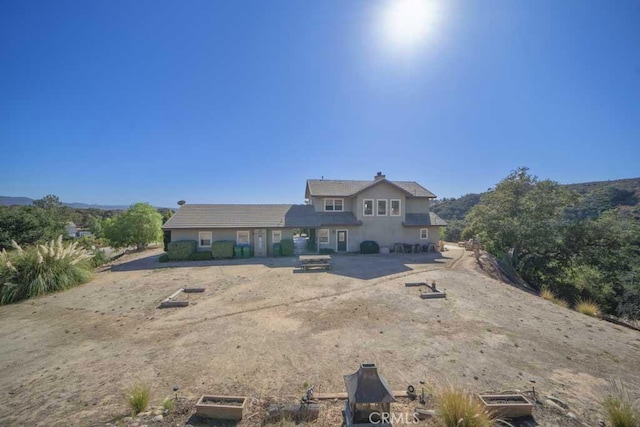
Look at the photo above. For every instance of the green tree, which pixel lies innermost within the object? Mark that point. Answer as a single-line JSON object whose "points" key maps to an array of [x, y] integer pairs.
{"points": [[138, 226], [95, 226], [27, 225], [49, 201], [522, 217]]}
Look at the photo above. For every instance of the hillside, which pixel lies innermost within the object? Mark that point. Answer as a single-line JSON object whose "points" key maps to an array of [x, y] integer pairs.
{"points": [[27, 201], [597, 197]]}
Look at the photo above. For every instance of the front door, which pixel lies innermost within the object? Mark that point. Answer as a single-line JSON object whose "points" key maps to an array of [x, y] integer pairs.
{"points": [[342, 241], [260, 242]]}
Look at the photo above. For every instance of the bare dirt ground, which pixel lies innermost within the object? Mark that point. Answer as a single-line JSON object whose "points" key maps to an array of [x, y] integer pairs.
{"points": [[262, 330]]}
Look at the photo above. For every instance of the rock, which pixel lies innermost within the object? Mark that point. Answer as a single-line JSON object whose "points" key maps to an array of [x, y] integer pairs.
{"points": [[158, 418], [423, 414], [572, 415], [127, 419], [558, 402], [552, 404]]}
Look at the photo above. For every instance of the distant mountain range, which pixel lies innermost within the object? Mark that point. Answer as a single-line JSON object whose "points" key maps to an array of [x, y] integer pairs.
{"points": [[25, 201]]}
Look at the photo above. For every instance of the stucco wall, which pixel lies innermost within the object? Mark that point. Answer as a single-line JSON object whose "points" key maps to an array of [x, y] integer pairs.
{"points": [[384, 237], [318, 203], [417, 205], [228, 234]]}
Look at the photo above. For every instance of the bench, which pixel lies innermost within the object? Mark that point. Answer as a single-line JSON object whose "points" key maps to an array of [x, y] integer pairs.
{"points": [[314, 261]]}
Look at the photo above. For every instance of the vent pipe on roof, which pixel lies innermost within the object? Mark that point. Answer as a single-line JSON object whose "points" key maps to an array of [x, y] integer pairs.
{"points": [[379, 176]]}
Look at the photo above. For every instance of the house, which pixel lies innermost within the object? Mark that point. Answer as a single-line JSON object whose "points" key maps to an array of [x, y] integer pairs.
{"points": [[339, 215]]}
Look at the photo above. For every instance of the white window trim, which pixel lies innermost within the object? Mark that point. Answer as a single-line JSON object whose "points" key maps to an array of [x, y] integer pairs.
{"points": [[399, 207], [273, 236], [424, 238], [333, 202], [328, 236], [238, 236], [373, 207], [386, 207], [200, 234], [346, 238]]}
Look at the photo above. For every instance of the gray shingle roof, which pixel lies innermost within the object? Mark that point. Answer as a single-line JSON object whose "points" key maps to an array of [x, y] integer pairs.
{"points": [[347, 188], [236, 216], [412, 219], [337, 218]]}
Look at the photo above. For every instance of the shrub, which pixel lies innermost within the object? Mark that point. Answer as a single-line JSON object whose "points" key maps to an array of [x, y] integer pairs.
{"points": [[459, 408], [222, 249], [181, 249], [545, 293], [286, 247], [164, 258], [369, 247], [138, 396], [619, 409], [588, 307], [42, 269], [326, 251], [168, 405], [98, 258], [200, 256], [550, 296]]}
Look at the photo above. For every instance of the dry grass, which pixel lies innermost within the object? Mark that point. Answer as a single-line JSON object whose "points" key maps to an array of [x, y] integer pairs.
{"points": [[138, 397], [588, 307], [550, 296], [459, 408], [547, 294], [619, 409]]}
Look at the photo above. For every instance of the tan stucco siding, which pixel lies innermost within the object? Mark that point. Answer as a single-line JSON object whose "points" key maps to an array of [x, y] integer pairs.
{"points": [[228, 234], [417, 205], [385, 237], [318, 203]]}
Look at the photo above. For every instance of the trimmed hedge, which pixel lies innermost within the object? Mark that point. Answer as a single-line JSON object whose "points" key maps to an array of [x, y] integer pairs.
{"points": [[286, 247], [369, 247], [164, 258], [222, 249], [181, 249], [201, 256]]}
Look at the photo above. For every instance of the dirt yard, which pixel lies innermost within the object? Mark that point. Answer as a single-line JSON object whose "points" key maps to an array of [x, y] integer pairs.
{"points": [[263, 330]]}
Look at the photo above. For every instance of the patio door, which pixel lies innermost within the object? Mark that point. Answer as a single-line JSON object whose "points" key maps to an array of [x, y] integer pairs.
{"points": [[342, 241]]}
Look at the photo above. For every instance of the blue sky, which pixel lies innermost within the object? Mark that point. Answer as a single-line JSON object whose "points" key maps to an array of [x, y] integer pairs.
{"points": [[115, 102]]}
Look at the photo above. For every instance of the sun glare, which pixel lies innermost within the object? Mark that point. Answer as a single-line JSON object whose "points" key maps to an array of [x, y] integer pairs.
{"points": [[406, 24]]}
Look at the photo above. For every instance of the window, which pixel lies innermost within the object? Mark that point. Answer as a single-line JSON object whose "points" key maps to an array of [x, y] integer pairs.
{"points": [[382, 207], [242, 237], [276, 236], [323, 236], [395, 207], [367, 209], [333, 205], [424, 233], [204, 238]]}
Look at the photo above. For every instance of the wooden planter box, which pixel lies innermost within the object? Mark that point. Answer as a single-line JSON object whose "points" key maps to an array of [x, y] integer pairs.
{"points": [[507, 405], [221, 407]]}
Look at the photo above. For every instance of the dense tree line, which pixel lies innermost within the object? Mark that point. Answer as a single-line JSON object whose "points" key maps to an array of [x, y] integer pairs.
{"points": [[47, 218], [556, 239]]}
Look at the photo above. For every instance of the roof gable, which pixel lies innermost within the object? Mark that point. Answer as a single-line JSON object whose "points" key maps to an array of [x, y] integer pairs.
{"points": [[349, 188]]}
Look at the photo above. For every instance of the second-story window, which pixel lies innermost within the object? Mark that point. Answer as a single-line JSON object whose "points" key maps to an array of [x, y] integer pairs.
{"points": [[367, 207], [395, 207], [382, 207], [335, 205]]}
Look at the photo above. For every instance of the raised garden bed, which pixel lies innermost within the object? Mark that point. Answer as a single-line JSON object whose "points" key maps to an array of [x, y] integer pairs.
{"points": [[221, 407], [507, 405]]}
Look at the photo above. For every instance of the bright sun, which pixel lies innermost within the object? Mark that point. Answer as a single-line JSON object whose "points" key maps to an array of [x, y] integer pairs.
{"points": [[407, 23]]}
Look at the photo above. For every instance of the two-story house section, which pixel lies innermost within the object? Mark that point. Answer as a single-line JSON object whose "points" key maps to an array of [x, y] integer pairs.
{"points": [[387, 212], [338, 215]]}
